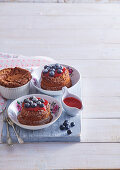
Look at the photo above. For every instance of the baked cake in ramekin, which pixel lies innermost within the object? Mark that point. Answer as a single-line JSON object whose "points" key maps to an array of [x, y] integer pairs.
{"points": [[14, 82]]}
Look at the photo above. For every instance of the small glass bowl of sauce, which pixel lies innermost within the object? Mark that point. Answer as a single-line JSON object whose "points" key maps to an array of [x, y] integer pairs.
{"points": [[72, 104]]}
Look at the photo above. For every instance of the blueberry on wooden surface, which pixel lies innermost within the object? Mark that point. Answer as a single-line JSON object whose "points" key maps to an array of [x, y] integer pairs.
{"points": [[62, 127], [66, 122], [72, 124], [69, 131], [67, 127]]}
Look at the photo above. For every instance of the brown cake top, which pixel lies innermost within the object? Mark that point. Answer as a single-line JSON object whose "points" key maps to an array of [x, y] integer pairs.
{"points": [[14, 77]]}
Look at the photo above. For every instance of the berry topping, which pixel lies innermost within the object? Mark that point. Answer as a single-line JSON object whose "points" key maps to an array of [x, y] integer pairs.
{"points": [[31, 97], [45, 66], [69, 131], [42, 100], [38, 103], [26, 100], [61, 67], [72, 124], [48, 68], [33, 105], [34, 99], [51, 73], [45, 71], [41, 105], [57, 65], [52, 69], [26, 105], [59, 71], [62, 127], [31, 102]]}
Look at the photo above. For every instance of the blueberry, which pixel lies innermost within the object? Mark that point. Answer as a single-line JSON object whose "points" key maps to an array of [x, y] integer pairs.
{"points": [[57, 65], [33, 105], [31, 97], [51, 73], [66, 123], [48, 68], [42, 100], [26, 100], [62, 127], [52, 69], [72, 124], [38, 103], [53, 66], [61, 67], [31, 102], [45, 71], [26, 105], [41, 105], [59, 71], [67, 127], [69, 131], [34, 99], [45, 66]]}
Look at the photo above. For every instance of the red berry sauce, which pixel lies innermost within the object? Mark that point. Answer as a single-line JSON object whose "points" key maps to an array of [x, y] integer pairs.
{"points": [[73, 102]]}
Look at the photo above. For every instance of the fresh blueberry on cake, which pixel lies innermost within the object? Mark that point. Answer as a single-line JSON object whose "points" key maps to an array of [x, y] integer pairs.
{"points": [[54, 77]]}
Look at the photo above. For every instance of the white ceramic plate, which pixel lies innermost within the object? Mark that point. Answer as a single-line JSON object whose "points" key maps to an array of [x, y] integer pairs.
{"points": [[14, 107], [36, 80]]}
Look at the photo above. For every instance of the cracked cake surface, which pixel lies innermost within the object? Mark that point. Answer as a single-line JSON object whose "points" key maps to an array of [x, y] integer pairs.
{"points": [[14, 77]]}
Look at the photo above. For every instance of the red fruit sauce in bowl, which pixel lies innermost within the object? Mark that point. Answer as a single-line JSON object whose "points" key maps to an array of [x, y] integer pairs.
{"points": [[73, 102]]}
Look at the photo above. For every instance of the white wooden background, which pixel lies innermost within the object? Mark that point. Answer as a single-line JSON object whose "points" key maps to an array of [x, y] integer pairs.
{"points": [[86, 36], [64, 1]]}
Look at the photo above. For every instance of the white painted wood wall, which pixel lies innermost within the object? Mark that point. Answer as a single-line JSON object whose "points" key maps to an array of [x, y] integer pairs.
{"points": [[64, 1]]}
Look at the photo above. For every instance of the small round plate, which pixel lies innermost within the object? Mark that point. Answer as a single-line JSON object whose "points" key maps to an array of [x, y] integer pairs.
{"points": [[36, 80], [15, 106]]}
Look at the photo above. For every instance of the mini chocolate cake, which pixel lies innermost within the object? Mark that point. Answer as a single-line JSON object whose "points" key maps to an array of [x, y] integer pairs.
{"points": [[54, 77], [35, 111], [14, 77]]}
